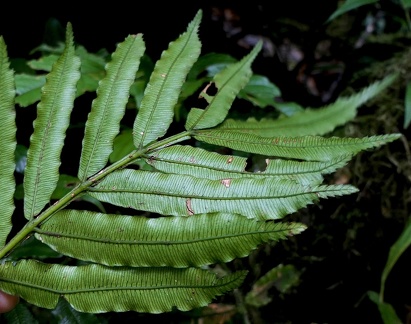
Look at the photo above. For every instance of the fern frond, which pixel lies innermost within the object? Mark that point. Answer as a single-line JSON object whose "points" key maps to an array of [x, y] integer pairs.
{"points": [[228, 83], [117, 240], [47, 140], [8, 143], [310, 121], [200, 163], [161, 94], [182, 195], [309, 148], [97, 289], [103, 123]]}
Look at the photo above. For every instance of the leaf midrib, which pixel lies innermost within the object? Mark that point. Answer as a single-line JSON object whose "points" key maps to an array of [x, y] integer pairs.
{"points": [[168, 243], [166, 77], [45, 139], [314, 191], [278, 139], [263, 174], [92, 290], [104, 115]]}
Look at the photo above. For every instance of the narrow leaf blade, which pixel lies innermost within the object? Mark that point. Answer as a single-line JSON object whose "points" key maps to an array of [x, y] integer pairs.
{"points": [[200, 163], [396, 250], [97, 289], [349, 5], [47, 140], [119, 240], [387, 312], [181, 195], [407, 104], [311, 121], [103, 123], [162, 92], [8, 143], [309, 148], [228, 83]]}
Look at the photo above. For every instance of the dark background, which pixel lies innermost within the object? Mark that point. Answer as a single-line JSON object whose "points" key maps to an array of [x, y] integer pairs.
{"points": [[97, 27]]}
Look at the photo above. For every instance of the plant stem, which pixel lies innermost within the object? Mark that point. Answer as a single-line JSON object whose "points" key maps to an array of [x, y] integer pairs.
{"points": [[82, 187]]}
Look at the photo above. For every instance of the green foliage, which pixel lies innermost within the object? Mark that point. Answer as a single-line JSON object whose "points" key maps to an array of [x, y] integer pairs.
{"points": [[53, 117], [180, 209], [8, 142], [349, 5], [386, 310], [388, 314]]}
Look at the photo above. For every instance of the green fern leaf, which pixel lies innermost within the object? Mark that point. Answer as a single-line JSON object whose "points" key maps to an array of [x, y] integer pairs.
{"points": [[161, 94], [200, 163], [47, 140], [348, 5], [97, 289], [8, 143], [181, 195], [196, 241], [228, 83], [310, 148], [310, 121], [103, 123]]}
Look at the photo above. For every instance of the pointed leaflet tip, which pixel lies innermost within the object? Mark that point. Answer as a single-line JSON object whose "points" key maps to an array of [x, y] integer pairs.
{"points": [[53, 118], [163, 89], [7, 143]]}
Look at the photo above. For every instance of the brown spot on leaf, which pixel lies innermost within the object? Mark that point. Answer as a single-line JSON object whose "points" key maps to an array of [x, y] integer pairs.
{"points": [[230, 159], [188, 205]]}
